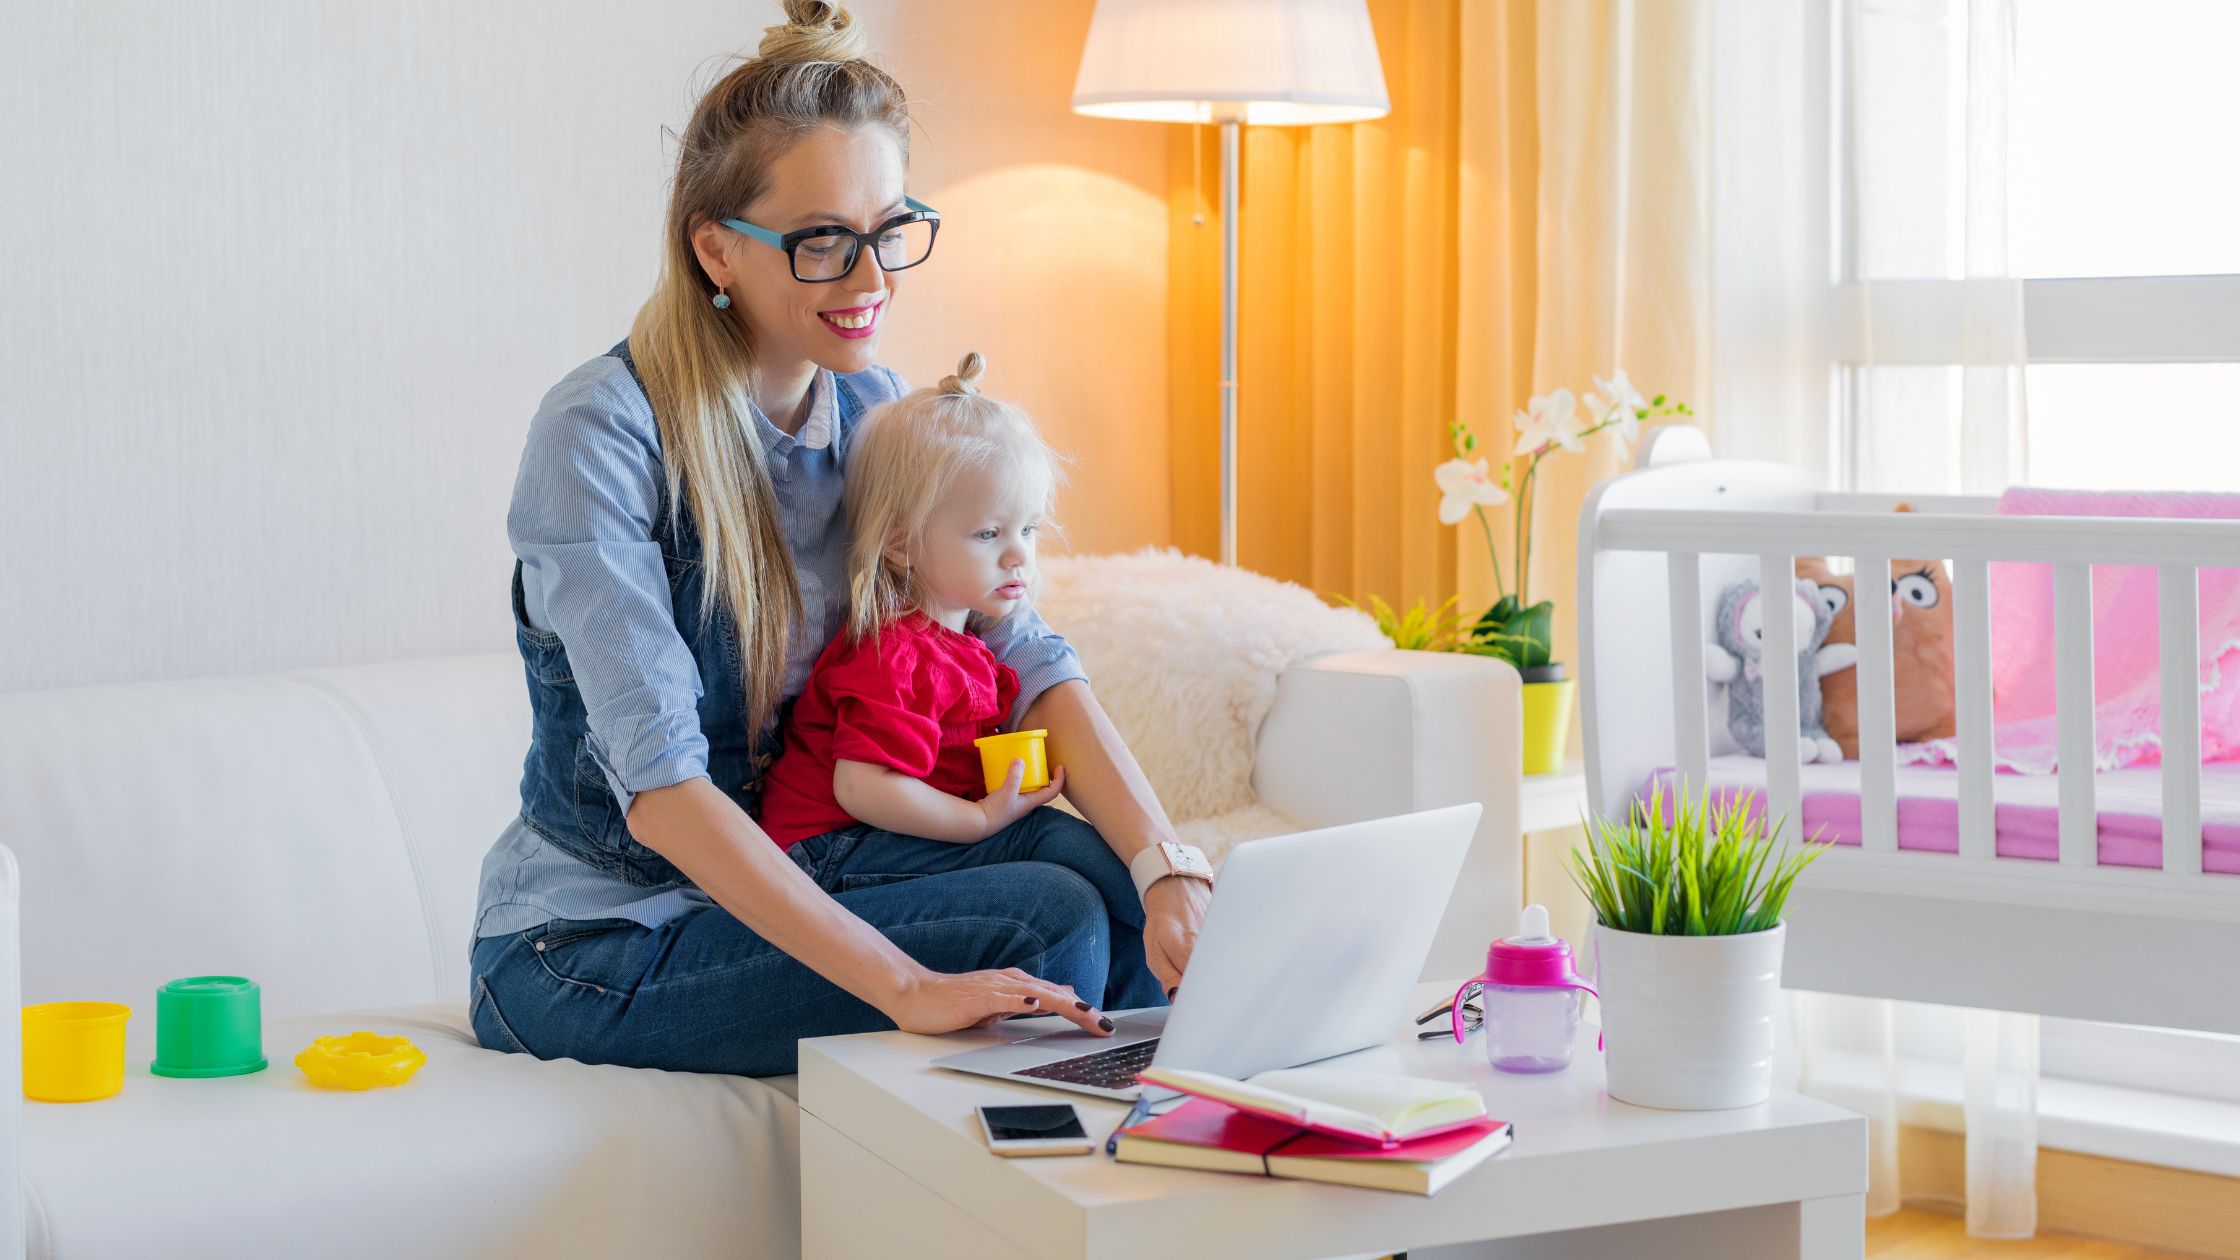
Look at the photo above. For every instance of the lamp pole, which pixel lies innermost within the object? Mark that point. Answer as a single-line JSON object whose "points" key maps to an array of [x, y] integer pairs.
{"points": [[1229, 129]]}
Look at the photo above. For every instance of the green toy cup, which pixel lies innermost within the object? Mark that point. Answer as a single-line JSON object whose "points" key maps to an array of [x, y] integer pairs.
{"points": [[209, 1026]]}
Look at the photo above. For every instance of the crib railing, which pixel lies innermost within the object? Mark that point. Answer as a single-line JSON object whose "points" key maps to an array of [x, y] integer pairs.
{"points": [[2177, 549]]}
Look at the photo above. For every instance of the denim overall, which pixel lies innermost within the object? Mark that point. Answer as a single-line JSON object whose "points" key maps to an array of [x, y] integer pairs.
{"points": [[564, 793]]}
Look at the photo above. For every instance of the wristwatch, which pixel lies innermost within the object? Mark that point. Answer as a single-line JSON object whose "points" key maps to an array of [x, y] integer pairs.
{"points": [[1165, 858]]}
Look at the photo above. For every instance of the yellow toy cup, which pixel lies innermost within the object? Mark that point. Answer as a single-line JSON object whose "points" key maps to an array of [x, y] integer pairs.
{"points": [[997, 752], [73, 1051]]}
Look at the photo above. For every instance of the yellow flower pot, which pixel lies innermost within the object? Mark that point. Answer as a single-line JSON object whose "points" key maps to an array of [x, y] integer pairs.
{"points": [[1547, 719]]}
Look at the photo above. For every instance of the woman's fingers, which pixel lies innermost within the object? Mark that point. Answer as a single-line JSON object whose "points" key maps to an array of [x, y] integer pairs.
{"points": [[1054, 999]]}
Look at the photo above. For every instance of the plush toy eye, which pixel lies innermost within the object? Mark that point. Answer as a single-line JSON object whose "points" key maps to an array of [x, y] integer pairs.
{"points": [[1917, 589], [1834, 598], [1753, 622]]}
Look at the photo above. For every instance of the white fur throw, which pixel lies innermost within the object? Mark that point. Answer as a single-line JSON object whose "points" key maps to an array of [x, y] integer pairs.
{"points": [[1184, 654]]}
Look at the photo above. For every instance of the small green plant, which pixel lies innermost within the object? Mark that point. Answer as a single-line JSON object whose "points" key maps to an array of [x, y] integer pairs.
{"points": [[1420, 629], [1695, 869], [1425, 629]]}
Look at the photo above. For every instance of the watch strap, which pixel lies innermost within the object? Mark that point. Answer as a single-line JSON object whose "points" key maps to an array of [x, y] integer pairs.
{"points": [[1157, 861]]}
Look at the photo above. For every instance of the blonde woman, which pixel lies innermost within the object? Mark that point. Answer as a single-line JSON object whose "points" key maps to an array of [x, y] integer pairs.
{"points": [[880, 777], [682, 558]]}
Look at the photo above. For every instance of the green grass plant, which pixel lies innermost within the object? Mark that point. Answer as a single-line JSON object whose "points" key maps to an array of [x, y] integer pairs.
{"points": [[1694, 868]]}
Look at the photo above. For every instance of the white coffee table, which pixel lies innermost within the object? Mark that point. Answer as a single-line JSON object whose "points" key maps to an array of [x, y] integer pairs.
{"points": [[892, 1163]]}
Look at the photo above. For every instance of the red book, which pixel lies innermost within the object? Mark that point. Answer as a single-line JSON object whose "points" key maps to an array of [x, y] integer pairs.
{"points": [[1210, 1135]]}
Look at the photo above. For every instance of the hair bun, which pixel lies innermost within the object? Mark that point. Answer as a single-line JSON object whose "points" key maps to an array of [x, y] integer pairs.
{"points": [[814, 30], [967, 379]]}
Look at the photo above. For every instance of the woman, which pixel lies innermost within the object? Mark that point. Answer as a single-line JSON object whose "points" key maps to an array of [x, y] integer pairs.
{"points": [[681, 553]]}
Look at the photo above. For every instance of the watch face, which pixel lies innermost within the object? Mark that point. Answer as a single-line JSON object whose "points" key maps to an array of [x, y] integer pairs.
{"points": [[1184, 860]]}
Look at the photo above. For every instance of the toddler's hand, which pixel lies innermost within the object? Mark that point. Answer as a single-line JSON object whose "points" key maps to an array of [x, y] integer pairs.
{"points": [[1005, 806]]}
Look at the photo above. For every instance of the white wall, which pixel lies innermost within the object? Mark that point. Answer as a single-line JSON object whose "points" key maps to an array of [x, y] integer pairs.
{"points": [[283, 283]]}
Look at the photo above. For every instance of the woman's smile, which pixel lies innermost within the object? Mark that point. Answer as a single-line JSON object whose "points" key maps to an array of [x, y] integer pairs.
{"points": [[854, 322]]}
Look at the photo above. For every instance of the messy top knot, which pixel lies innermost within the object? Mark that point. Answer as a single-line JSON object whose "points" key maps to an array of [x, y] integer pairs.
{"points": [[967, 380], [814, 30]]}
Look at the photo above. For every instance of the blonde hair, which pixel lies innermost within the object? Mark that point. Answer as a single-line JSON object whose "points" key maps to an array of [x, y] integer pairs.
{"points": [[697, 361], [903, 460]]}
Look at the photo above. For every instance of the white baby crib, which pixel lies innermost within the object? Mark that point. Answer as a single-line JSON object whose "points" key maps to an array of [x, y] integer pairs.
{"points": [[2071, 937]]}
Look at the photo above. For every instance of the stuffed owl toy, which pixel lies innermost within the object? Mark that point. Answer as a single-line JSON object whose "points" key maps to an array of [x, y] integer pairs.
{"points": [[1921, 650], [1736, 656]]}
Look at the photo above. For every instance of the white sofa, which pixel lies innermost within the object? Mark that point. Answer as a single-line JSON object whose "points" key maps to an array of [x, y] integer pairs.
{"points": [[320, 832]]}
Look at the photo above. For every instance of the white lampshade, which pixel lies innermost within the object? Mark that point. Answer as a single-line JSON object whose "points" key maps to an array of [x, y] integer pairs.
{"points": [[1283, 62]]}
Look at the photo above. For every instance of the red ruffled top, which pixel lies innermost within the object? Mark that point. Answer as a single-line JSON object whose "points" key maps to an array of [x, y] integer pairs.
{"points": [[912, 699]]}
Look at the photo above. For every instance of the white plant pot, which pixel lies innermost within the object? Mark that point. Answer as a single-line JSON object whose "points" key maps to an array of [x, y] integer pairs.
{"points": [[1687, 1021]]}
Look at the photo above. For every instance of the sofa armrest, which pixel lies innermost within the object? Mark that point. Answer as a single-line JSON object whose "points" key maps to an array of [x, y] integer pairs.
{"points": [[1372, 734]]}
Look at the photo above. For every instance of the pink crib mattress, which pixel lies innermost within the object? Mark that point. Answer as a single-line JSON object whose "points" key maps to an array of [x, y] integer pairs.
{"points": [[2026, 809]]}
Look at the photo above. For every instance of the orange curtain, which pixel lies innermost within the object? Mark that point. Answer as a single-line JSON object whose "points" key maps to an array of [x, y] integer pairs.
{"points": [[1386, 287]]}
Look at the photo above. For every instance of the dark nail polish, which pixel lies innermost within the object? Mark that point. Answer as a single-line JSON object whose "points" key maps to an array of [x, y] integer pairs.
{"points": [[1104, 1023], [1081, 1006], [1028, 1001], [1172, 992]]}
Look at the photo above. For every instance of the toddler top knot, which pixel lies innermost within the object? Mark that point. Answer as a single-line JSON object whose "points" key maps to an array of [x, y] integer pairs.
{"points": [[967, 378]]}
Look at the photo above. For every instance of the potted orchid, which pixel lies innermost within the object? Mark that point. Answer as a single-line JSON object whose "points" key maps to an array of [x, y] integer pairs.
{"points": [[1512, 629]]}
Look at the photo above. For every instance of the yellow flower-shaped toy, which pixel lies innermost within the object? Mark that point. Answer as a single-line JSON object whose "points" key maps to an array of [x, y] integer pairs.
{"points": [[361, 1060]]}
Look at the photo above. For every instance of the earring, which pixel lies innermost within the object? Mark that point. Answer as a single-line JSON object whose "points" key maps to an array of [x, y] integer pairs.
{"points": [[722, 301]]}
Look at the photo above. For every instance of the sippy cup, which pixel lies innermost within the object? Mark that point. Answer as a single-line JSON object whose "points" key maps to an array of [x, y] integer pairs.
{"points": [[1531, 999]]}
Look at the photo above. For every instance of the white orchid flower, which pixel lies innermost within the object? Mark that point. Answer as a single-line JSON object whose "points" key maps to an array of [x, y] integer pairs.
{"points": [[1552, 417], [1625, 398], [1463, 484]]}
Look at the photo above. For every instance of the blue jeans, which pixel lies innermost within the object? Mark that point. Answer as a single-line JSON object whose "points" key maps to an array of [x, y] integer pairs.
{"points": [[704, 993]]}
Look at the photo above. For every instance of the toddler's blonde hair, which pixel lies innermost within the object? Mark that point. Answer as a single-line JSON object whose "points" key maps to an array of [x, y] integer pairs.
{"points": [[904, 457]]}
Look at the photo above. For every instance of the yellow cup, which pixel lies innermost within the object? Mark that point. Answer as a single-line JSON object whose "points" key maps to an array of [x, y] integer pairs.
{"points": [[997, 752], [73, 1051]]}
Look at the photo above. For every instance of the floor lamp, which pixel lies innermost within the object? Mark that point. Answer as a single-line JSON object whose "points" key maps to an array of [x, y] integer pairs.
{"points": [[1266, 62]]}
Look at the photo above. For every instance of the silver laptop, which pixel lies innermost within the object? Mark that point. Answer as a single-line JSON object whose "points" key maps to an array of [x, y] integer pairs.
{"points": [[1310, 950]]}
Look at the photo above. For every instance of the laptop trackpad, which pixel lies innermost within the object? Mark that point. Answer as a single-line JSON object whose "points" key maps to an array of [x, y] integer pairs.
{"points": [[1126, 1027]]}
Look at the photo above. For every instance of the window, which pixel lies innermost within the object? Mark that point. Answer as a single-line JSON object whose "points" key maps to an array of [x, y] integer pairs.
{"points": [[2058, 230], [2092, 170]]}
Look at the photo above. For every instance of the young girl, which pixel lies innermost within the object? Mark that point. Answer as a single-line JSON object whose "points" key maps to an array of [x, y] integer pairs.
{"points": [[879, 778]]}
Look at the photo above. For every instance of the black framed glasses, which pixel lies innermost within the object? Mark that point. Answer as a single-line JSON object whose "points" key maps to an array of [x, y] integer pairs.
{"points": [[1471, 1019], [823, 254]]}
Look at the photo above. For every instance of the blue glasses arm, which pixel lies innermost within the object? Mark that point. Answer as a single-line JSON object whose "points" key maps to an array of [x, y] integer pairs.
{"points": [[765, 235]]}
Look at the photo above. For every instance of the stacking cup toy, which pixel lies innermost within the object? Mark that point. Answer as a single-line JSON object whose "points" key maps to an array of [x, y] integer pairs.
{"points": [[361, 1060], [997, 752], [73, 1051], [209, 1026]]}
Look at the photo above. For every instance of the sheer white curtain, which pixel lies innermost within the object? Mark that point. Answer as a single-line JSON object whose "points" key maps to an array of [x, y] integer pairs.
{"points": [[1867, 324]]}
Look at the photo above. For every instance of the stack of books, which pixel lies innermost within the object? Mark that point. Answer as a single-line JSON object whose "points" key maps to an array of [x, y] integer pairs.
{"points": [[1319, 1124]]}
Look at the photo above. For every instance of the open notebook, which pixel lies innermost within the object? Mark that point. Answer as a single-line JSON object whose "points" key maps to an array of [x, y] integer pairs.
{"points": [[1367, 1107]]}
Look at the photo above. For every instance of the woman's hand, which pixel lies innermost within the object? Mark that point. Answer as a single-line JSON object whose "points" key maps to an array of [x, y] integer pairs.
{"points": [[939, 1003], [1005, 806], [1173, 910]]}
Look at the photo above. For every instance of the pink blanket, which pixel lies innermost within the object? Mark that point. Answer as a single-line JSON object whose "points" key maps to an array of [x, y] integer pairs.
{"points": [[2126, 652]]}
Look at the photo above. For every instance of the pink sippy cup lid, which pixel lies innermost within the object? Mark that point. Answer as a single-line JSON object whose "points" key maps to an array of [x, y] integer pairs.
{"points": [[1532, 957]]}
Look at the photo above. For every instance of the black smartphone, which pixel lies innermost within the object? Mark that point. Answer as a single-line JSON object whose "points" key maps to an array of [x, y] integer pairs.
{"points": [[1047, 1129]]}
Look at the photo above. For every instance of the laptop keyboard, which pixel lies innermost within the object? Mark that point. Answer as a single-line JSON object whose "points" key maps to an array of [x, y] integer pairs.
{"points": [[1106, 1069]]}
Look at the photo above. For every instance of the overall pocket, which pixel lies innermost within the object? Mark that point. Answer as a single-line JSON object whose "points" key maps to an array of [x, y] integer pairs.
{"points": [[541, 650]]}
